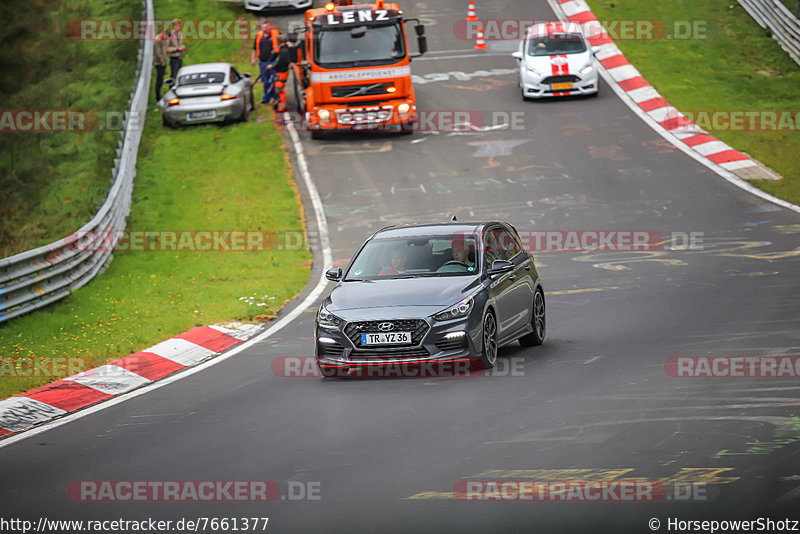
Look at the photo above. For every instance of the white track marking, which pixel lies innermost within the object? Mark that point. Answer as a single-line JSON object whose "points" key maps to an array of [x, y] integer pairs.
{"points": [[574, 7], [643, 93], [20, 413], [607, 50], [110, 379], [181, 351], [237, 330], [741, 164], [322, 282], [662, 114], [622, 73], [712, 147], [487, 54]]}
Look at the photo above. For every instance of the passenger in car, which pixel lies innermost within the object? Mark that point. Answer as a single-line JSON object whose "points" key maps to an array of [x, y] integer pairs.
{"points": [[399, 263]]}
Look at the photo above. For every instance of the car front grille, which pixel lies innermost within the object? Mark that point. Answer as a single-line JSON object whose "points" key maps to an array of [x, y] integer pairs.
{"points": [[391, 353], [564, 78], [417, 327], [345, 91]]}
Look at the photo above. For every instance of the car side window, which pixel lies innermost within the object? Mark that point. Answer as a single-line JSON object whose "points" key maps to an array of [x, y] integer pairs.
{"points": [[509, 245], [491, 248], [235, 76]]}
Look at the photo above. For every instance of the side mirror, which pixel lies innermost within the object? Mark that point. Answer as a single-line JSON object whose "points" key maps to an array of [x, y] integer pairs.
{"points": [[596, 49], [500, 267], [334, 275], [420, 29], [246, 74], [169, 81], [517, 55], [422, 43], [292, 37]]}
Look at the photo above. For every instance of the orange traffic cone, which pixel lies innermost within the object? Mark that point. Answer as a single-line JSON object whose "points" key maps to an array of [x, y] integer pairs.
{"points": [[471, 16], [480, 44]]}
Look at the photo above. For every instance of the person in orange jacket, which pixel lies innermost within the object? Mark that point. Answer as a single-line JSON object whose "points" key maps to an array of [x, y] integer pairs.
{"points": [[266, 42]]}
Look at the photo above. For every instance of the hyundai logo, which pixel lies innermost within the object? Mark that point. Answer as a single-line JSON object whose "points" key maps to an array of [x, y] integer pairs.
{"points": [[386, 327]]}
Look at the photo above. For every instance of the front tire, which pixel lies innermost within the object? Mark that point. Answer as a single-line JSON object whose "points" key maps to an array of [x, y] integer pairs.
{"points": [[489, 349], [538, 322]]}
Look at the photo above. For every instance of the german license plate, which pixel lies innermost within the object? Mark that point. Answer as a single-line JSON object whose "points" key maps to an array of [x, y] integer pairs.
{"points": [[195, 115], [561, 86], [386, 338]]}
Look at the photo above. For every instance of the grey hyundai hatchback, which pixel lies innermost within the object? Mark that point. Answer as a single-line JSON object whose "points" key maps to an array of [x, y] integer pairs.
{"points": [[449, 292]]}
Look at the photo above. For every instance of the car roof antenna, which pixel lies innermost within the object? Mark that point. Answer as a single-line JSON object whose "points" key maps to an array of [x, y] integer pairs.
{"points": [[453, 218]]}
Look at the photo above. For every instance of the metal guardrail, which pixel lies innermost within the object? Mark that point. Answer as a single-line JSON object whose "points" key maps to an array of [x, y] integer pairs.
{"points": [[785, 27], [38, 277]]}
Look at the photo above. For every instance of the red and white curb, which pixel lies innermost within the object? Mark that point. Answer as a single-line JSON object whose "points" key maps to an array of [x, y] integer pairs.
{"points": [[21, 412], [644, 95]]}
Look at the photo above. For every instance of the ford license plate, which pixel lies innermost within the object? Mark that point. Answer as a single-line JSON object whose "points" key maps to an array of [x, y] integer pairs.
{"points": [[560, 86]]}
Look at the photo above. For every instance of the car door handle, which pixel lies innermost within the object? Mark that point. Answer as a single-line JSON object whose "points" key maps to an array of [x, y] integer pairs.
{"points": [[512, 277]]}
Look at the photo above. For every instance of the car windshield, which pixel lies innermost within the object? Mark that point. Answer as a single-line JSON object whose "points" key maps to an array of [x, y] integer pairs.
{"points": [[448, 255], [197, 78], [570, 43], [377, 45]]}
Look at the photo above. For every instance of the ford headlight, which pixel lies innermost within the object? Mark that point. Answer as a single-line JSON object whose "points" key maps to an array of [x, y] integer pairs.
{"points": [[587, 69], [458, 311], [326, 318]]}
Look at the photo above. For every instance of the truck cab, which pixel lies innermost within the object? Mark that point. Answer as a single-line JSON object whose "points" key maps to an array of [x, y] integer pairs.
{"points": [[352, 68]]}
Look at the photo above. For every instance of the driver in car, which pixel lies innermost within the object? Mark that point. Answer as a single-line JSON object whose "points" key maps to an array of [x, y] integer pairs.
{"points": [[461, 253]]}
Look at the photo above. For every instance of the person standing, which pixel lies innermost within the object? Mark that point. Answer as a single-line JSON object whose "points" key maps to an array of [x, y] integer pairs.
{"points": [[280, 60], [160, 58], [266, 42], [176, 49]]}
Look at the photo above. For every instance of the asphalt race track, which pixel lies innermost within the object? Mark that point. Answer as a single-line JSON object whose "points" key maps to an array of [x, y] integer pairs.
{"points": [[387, 453]]}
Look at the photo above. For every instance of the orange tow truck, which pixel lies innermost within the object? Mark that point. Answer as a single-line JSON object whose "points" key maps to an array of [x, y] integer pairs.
{"points": [[352, 68]]}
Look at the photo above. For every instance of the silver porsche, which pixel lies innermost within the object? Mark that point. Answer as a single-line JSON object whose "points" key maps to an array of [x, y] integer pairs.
{"points": [[208, 92]]}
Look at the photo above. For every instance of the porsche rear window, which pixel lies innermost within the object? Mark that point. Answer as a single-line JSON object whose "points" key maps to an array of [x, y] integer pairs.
{"points": [[201, 77]]}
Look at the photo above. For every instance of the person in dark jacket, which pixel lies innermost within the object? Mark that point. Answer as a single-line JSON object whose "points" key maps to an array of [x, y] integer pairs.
{"points": [[265, 43], [280, 63]]}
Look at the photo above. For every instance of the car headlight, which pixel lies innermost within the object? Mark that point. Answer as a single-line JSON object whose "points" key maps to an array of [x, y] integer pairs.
{"points": [[461, 309], [534, 72], [326, 318], [324, 115], [403, 108], [587, 69]]}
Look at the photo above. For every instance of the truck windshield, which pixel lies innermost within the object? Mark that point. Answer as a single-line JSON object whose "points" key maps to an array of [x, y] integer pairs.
{"points": [[379, 45]]}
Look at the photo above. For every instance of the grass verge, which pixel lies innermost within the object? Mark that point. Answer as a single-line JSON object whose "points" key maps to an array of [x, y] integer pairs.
{"points": [[733, 66], [52, 182], [205, 178]]}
